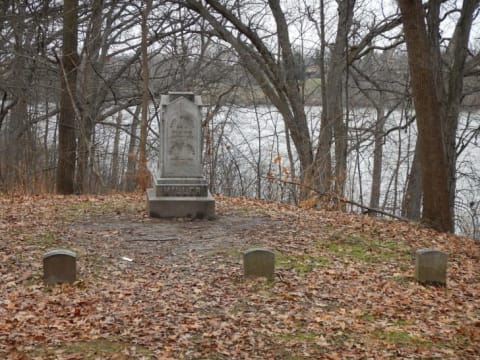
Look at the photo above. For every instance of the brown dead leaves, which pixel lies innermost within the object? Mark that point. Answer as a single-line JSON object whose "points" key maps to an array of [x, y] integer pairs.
{"points": [[343, 287]]}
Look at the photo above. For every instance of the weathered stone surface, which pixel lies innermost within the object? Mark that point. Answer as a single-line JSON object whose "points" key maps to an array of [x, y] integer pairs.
{"points": [[259, 262], [181, 150], [59, 266], [431, 267], [180, 189]]}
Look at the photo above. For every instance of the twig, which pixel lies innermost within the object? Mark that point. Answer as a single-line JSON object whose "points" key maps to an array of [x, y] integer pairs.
{"points": [[160, 239]]}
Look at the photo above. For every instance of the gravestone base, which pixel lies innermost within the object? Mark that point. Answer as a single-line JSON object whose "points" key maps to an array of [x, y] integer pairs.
{"points": [[196, 207], [196, 187]]}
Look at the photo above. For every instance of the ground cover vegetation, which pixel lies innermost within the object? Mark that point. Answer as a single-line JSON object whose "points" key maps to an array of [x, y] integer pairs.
{"points": [[343, 284]]}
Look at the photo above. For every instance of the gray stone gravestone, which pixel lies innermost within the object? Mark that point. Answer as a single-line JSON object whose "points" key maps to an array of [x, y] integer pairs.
{"points": [[431, 267], [59, 266], [259, 263], [180, 189]]}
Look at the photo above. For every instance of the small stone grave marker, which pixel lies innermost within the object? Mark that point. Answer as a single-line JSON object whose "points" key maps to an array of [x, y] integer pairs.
{"points": [[259, 262], [431, 267], [59, 266]]}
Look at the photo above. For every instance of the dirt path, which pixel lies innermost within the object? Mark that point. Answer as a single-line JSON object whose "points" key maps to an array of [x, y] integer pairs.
{"points": [[147, 240]]}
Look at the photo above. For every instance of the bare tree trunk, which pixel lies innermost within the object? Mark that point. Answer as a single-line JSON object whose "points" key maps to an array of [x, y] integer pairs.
{"points": [[298, 125], [89, 66], [449, 69], [115, 153], [412, 200], [396, 173], [258, 162], [323, 158], [436, 203], [142, 176], [20, 156], [66, 132], [19, 140], [335, 82], [377, 156], [453, 76], [333, 121], [293, 172], [46, 150], [132, 154]]}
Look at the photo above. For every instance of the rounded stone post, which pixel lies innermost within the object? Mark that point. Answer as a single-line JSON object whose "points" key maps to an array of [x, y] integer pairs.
{"points": [[59, 266], [431, 267], [259, 263]]}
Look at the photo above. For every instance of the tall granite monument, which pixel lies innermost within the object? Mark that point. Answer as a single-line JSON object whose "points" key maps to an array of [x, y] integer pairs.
{"points": [[180, 189]]}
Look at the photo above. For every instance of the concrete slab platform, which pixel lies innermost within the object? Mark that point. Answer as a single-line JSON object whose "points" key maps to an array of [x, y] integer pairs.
{"points": [[184, 206]]}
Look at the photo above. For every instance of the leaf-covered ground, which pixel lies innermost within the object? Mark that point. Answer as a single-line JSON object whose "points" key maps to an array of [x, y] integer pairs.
{"points": [[343, 289]]}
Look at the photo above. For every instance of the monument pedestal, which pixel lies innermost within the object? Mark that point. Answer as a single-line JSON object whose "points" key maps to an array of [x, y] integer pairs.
{"points": [[180, 189], [197, 207]]}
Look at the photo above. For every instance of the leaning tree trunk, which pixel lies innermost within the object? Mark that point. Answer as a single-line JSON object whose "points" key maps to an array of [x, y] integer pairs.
{"points": [[297, 125], [275, 76], [436, 204], [68, 74]]}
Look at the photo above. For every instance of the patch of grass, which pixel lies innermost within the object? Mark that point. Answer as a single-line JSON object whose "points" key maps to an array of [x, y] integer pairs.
{"points": [[337, 236], [75, 211], [402, 322], [367, 316], [457, 341], [304, 336], [81, 209], [46, 240], [370, 250], [262, 286], [229, 252], [401, 338], [93, 349], [403, 280], [129, 207], [340, 338], [300, 263]]}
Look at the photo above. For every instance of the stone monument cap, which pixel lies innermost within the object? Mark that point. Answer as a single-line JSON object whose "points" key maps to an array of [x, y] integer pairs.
{"points": [[173, 95], [59, 252]]}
